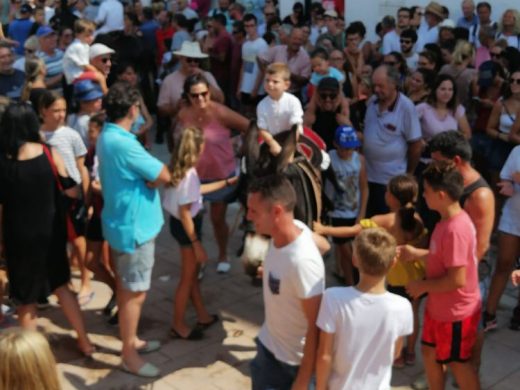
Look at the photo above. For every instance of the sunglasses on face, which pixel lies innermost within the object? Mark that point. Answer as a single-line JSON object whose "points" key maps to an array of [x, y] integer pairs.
{"points": [[496, 55], [104, 60], [325, 95], [200, 94], [29, 51], [406, 41], [515, 81], [192, 60], [269, 14], [390, 63]]}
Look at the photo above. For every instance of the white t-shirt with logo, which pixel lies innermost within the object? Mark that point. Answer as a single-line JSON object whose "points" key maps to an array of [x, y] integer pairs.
{"points": [[291, 273], [365, 327], [250, 50]]}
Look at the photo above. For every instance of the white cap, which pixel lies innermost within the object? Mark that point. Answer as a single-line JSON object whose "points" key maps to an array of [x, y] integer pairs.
{"points": [[447, 23], [331, 13], [98, 49]]}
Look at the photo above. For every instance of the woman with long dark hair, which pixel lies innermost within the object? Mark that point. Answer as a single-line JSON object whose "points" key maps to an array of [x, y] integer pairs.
{"points": [[33, 226]]}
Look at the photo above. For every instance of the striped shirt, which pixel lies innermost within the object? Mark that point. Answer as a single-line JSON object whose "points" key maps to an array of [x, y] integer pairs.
{"points": [[70, 146], [54, 65]]}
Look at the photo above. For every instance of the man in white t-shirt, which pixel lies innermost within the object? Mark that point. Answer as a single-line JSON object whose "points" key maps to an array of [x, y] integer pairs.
{"points": [[110, 17], [293, 281], [391, 37], [250, 90], [407, 40], [362, 327]]}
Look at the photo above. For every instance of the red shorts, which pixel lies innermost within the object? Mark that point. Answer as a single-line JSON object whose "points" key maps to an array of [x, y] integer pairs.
{"points": [[453, 341]]}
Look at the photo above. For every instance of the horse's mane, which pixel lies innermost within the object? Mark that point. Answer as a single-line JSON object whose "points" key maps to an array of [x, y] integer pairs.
{"points": [[259, 161]]}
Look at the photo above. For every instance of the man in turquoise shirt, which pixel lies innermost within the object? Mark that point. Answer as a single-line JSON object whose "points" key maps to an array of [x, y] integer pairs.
{"points": [[131, 217]]}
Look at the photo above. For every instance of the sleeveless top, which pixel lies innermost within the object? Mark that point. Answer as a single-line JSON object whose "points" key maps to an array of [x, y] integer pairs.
{"points": [[468, 190], [506, 120], [217, 160], [346, 204], [402, 272]]}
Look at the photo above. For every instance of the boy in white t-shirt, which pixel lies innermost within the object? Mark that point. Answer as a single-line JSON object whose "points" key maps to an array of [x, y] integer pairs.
{"points": [[76, 60], [280, 110], [362, 327]]}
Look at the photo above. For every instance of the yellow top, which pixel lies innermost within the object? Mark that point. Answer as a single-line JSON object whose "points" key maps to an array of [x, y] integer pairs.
{"points": [[402, 272]]}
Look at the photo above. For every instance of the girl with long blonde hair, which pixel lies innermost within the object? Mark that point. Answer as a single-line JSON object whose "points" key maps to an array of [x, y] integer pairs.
{"points": [[26, 361], [183, 201]]}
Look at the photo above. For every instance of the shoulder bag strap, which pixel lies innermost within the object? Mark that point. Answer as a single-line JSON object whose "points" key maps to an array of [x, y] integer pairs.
{"points": [[53, 166]]}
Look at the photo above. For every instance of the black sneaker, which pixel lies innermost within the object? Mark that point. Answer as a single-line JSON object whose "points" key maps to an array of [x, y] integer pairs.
{"points": [[114, 319], [515, 320], [110, 305], [489, 321]]}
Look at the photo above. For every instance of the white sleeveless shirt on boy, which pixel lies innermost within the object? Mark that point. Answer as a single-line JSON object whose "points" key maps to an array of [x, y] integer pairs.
{"points": [[346, 204]]}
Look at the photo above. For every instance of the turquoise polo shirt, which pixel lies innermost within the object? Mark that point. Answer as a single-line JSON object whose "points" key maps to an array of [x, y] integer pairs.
{"points": [[132, 212]]}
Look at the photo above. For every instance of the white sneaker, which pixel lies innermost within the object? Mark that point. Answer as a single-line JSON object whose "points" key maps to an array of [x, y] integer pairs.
{"points": [[223, 267], [202, 267]]}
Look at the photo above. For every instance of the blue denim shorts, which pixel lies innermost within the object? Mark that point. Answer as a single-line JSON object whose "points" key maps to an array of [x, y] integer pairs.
{"points": [[269, 373], [135, 269], [227, 194]]}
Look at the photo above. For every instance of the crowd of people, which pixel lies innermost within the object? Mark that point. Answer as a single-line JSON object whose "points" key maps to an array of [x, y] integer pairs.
{"points": [[421, 175]]}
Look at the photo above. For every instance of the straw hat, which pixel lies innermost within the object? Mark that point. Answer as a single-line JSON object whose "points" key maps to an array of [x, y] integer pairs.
{"points": [[435, 9], [190, 49]]}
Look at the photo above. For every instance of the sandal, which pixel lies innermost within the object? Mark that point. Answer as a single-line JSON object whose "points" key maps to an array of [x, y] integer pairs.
{"points": [[205, 325], [84, 300], [195, 334]]}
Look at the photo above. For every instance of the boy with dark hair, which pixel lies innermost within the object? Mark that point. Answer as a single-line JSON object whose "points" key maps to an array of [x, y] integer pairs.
{"points": [[362, 327], [453, 305], [407, 42]]}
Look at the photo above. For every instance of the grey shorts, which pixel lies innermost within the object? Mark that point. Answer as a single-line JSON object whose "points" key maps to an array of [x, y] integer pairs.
{"points": [[135, 269]]}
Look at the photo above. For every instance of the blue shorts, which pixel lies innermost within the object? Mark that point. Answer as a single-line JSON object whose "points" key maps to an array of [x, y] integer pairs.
{"points": [[227, 194], [134, 270], [268, 373]]}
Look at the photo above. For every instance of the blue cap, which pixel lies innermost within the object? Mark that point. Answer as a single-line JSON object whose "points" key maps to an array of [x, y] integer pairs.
{"points": [[346, 137], [86, 90], [44, 30]]}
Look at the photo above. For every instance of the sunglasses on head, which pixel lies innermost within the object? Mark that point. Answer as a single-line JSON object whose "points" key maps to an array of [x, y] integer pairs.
{"points": [[200, 94], [330, 95], [514, 81]]}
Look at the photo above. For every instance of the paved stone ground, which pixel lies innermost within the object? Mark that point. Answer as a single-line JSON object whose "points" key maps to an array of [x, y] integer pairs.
{"points": [[220, 361]]}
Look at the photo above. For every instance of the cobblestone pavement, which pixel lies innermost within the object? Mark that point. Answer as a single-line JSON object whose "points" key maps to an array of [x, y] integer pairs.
{"points": [[220, 361]]}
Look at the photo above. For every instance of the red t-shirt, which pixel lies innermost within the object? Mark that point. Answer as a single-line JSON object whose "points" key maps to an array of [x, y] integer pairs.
{"points": [[453, 244]]}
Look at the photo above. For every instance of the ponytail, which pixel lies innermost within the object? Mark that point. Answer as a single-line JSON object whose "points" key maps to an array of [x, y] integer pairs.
{"points": [[405, 189]]}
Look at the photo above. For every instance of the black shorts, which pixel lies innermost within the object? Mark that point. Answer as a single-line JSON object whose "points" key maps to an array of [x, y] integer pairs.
{"points": [[178, 232], [342, 222], [401, 291], [94, 230]]}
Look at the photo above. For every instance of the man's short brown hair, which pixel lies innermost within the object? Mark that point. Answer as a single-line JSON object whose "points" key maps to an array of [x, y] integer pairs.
{"points": [[279, 68], [375, 250], [275, 189]]}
